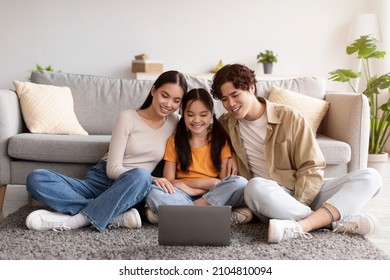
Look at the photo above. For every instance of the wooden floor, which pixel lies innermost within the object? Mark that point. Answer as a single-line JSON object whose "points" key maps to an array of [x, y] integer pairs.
{"points": [[16, 196]]}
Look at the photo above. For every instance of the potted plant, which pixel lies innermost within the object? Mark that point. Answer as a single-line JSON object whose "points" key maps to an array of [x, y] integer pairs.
{"points": [[267, 58], [366, 48], [41, 68]]}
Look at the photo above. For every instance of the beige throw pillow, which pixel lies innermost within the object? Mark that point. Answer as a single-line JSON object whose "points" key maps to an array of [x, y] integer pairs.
{"points": [[48, 109], [313, 109]]}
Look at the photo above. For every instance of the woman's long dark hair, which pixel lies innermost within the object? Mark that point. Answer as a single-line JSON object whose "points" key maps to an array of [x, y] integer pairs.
{"points": [[171, 76], [217, 136]]}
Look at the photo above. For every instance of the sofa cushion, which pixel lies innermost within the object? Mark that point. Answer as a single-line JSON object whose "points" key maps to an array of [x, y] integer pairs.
{"points": [[58, 148], [90, 149], [48, 109], [310, 86], [313, 109], [335, 151], [98, 100]]}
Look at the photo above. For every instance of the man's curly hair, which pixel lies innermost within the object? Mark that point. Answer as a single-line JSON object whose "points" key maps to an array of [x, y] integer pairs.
{"points": [[240, 75]]}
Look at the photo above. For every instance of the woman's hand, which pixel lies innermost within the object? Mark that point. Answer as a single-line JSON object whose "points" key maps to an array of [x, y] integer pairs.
{"points": [[164, 184]]}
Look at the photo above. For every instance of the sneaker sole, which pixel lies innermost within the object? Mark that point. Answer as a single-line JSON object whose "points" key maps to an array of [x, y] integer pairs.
{"points": [[271, 233], [374, 222], [135, 213]]}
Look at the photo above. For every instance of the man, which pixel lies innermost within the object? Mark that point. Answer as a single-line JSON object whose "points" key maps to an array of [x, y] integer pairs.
{"points": [[277, 150]]}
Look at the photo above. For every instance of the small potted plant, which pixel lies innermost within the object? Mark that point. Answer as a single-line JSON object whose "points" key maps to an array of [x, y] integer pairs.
{"points": [[41, 68], [365, 47], [267, 58]]}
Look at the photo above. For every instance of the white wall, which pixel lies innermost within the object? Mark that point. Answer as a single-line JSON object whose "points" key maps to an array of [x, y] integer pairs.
{"points": [[101, 37]]}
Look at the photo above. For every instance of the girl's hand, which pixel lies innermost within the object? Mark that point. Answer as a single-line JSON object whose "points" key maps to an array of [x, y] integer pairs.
{"points": [[188, 190], [214, 182], [164, 184]]}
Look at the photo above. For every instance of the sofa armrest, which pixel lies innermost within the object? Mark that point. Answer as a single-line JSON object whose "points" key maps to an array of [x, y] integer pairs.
{"points": [[11, 123], [348, 120]]}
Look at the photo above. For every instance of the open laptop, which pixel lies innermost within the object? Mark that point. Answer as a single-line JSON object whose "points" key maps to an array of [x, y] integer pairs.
{"points": [[194, 225]]}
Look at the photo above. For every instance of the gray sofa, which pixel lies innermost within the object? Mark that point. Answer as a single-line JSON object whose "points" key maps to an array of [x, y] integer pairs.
{"points": [[343, 134]]}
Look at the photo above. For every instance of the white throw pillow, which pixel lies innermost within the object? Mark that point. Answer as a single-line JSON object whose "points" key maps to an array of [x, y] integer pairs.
{"points": [[313, 109], [48, 109]]}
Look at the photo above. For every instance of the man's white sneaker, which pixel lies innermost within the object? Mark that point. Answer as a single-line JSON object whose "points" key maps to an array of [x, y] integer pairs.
{"points": [[46, 220], [241, 215], [151, 216], [129, 219], [363, 224], [280, 230]]}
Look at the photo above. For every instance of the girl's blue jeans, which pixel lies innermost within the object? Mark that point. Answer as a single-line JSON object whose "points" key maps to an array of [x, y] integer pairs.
{"points": [[230, 191], [97, 197]]}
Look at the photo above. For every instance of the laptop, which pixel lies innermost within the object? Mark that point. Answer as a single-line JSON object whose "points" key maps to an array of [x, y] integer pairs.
{"points": [[194, 225]]}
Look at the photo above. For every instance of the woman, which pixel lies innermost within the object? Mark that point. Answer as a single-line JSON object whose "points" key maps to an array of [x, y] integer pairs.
{"points": [[112, 189], [196, 160]]}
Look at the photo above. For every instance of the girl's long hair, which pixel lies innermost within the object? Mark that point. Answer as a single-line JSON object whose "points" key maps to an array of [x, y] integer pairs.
{"points": [[217, 136], [171, 76]]}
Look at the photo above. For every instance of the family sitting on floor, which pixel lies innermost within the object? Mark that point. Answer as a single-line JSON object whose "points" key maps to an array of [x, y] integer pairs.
{"points": [[258, 157]]}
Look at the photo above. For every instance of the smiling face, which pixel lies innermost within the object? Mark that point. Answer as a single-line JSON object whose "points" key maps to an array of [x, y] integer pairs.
{"points": [[197, 117], [239, 103], [167, 99]]}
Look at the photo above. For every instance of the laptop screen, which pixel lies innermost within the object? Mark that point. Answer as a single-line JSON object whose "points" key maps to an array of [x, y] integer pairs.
{"points": [[194, 225]]}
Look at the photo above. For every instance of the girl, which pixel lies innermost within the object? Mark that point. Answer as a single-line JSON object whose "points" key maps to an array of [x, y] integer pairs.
{"points": [[196, 163], [112, 189]]}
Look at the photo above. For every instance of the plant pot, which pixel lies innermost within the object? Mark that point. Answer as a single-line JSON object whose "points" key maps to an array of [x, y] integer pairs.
{"points": [[378, 161], [267, 67]]}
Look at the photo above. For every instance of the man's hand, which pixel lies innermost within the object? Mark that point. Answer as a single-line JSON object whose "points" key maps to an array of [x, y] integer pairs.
{"points": [[232, 168]]}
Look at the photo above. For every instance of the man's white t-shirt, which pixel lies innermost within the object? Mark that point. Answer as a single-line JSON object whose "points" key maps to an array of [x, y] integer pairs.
{"points": [[253, 135]]}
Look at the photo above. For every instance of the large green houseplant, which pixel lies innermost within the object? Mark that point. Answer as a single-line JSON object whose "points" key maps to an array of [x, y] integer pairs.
{"points": [[366, 48]]}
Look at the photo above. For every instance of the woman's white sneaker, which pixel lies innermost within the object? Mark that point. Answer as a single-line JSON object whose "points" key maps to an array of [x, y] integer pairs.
{"points": [[46, 220], [130, 219]]}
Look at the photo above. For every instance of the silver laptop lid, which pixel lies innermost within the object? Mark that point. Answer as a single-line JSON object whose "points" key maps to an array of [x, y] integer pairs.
{"points": [[194, 225]]}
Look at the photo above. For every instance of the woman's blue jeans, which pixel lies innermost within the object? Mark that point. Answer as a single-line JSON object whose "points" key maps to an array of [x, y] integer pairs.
{"points": [[230, 191], [96, 196]]}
